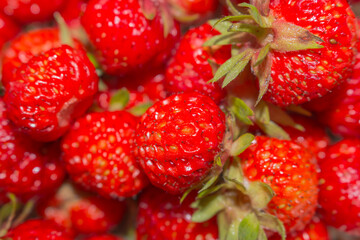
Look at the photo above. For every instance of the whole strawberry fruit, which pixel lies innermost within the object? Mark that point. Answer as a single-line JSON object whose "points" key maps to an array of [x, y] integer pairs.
{"points": [[8, 29], [27, 169], [107, 22], [28, 45], [159, 210], [190, 70], [340, 185], [39, 229], [47, 93], [177, 140], [26, 11], [98, 154], [288, 169]]}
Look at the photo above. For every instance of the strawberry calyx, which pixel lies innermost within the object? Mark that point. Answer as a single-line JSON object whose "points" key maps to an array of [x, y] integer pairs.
{"points": [[64, 31], [253, 36]]}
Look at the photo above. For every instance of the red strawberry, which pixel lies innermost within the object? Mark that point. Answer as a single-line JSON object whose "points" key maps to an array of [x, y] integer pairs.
{"points": [[315, 230], [313, 138], [27, 169], [28, 45], [107, 22], [197, 6], [303, 49], [161, 216], [177, 140], [47, 93], [8, 29], [26, 11], [288, 169], [72, 10], [81, 213], [190, 70], [340, 185], [104, 237], [98, 154], [39, 229]]}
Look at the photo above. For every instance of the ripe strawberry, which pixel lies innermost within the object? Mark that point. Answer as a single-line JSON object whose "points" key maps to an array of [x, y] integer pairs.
{"points": [[81, 213], [28, 45], [340, 185], [8, 29], [177, 140], [315, 230], [313, 138], [197, 6], [72, 10], [107, 22], [161, 216], [98, 154], [282, 164], [190, 70], [307, 48], [104, 237], [26, 11], [39, 229], [47, 93], [27, 169]]}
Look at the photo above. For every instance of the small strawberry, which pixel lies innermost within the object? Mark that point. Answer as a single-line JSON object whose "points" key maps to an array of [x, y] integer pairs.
{"points": [[298, 49], [26, 11], [98, 154], [81, 213], [161, 216], [28, 45], [107, 22], [8, 29], [282, 164], [190, 69], [27, 169], [52, 89], [340, 185], [39, 229], [315, 230], [103, 237], [177, 140]]}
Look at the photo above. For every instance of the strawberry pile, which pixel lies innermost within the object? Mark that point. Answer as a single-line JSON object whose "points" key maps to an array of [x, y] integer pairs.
{"points": [[179, 120]]}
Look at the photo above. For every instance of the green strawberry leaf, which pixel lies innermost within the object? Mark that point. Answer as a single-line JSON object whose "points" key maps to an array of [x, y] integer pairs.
{"points": [[65, 33], [209, 183], [223, 225], [283, 118], [255, 14], [93, 60], [241, 144], [263, 73], [148, 8], [119, 100], [223, 39], [27, 209], [13, 205], [232, 8], [273, 223], [234, 171], [262, 235], [237, 69], [262, 54], [262, 113], [210, 190], [249, 228], [140, 109], [233, 232], [273, 130], [298, 109], [241, 110], [222, 27], [260, 194], [208, 207]]}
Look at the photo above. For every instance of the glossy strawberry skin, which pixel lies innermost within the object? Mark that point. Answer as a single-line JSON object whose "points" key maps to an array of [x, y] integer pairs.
{"points": [[107, 22], [52, 89], [177, 140], [39, 229], [159, 210], [300, 76], [190, 71], [28, 45], [198, 6], [104, 237], [287, 168], [340, 185], [98, 154], [27, 169], [26, 11], [8, 29]]}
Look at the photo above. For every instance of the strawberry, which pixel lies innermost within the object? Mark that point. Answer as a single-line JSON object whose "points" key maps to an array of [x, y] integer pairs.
{"points": [[340, 185], [28, 45], [47, 93], [107, 22], [39, 229], [8, 29], [302, 50], [98, 154], [315, 230], [281, 164], [72, 10], [27, 169], [313, 138], [197, 6], [26, 11], [81, 213], [190, 70], [177, 140], [159, 210], [104, 237]]}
